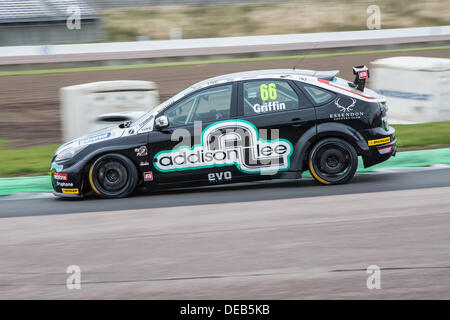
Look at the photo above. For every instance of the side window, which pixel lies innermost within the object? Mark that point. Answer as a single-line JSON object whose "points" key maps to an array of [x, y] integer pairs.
{"points": [[213, 104], [319, 95], [268, 96], [179, 113], [208, 105]]}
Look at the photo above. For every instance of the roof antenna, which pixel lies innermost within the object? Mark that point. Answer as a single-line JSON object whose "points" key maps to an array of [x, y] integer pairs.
{"points": [[303, 57]]}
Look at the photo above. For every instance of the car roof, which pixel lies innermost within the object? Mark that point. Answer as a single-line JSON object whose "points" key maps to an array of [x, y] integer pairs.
{"points": [[268, 73]]}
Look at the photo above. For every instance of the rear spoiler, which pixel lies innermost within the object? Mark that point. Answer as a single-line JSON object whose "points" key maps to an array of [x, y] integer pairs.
{"points": [[361, 74]]}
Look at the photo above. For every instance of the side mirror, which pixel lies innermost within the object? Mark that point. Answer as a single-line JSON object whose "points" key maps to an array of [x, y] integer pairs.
{"points": [[161, 122]]}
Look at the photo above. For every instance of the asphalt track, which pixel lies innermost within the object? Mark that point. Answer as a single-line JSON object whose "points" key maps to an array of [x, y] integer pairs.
{"points": [[288, 240], [284, 239], [411, 178]]}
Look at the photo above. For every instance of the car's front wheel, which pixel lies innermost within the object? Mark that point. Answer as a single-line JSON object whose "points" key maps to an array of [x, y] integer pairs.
{"points": [[333, 161], [113, 176]]}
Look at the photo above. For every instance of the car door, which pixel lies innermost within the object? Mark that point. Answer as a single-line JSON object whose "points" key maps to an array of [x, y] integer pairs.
{"points": [[179, 152], [279, 111]]}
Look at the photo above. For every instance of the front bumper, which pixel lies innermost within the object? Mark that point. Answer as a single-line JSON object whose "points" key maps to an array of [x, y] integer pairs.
{"points": [[65, 195], [68, 180]]}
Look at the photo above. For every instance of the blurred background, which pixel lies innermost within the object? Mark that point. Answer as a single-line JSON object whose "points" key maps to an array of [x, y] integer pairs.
{"points": [[47, 45], [44, 21], [68, 67]]}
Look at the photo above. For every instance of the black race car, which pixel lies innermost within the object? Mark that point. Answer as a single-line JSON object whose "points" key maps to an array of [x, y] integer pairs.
{"points": [[239, 127]]}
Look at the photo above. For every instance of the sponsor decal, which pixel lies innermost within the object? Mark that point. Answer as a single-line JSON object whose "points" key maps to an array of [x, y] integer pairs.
{"points": [[56, 167], [144, 163], [94, 138], [346, 115], [141, 151], [64, 184], [219, 176], [362, 74], [148, 176], [146, 125], [70, 191], [345, 106], [379, 141], [60, 176], [384, 150], [227, 143]]}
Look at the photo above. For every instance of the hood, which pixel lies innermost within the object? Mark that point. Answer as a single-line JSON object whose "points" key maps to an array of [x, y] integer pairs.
{"points": [[93, 137]]}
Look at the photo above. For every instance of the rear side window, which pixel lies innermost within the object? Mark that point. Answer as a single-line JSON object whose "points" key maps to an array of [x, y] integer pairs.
{"points": [[268, 96], [319, 96]]}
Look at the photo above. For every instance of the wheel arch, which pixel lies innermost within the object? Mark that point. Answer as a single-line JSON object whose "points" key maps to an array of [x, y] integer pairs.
{"points": [[322, 131], [125, 160], [90, 159]]}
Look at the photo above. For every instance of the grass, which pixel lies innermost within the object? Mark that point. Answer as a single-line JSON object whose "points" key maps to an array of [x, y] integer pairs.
{"points": [[265, 18], [36, 160], [25, 161], [206, 62], [423, 135]]}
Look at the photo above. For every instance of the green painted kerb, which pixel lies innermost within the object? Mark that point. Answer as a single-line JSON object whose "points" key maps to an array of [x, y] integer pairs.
{"points": [[419, 158], [25, 184]]}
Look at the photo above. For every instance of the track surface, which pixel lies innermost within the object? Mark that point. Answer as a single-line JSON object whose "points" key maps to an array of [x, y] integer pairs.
{"points": [[412, 178], [299, 241], [29, 105]]}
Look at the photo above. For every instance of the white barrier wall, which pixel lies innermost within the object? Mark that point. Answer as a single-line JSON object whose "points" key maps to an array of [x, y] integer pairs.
{"points": [[416, 88], [230, 45], [82, 106]]}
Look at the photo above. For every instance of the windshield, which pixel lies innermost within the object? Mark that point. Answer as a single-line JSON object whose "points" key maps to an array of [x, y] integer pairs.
{"points": [[161, 106]]}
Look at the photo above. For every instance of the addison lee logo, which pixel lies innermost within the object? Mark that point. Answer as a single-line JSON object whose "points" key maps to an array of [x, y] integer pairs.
{"points": [[229, 143]]}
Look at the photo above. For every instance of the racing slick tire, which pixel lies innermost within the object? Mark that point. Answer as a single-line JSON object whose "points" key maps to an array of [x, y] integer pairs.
{"points": [[113, 176], [333, 161]]}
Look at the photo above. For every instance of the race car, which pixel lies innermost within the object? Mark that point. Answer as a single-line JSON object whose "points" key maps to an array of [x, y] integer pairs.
{"points": [[240, 127]]}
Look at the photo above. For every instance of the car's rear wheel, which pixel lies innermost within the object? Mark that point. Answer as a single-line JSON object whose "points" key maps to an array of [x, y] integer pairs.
{"points": [[113, 176], [333, 161]]}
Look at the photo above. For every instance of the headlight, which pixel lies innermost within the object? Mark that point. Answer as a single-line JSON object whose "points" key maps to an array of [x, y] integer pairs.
{"points": [[68, 153]]}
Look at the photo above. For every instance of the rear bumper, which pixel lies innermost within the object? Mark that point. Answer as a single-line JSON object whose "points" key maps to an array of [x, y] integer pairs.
{"points": [[381, 148]]}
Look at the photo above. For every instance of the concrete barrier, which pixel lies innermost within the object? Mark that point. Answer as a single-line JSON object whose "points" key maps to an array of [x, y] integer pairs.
{"points": [[218, 46], [416, 88], [93, 106]]}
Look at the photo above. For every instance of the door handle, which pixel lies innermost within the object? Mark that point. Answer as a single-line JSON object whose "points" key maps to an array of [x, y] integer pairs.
{"points": [[297, 122]]}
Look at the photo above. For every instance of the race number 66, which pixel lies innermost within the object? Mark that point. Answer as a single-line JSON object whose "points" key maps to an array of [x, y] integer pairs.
{"points": [[268, 91]]}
